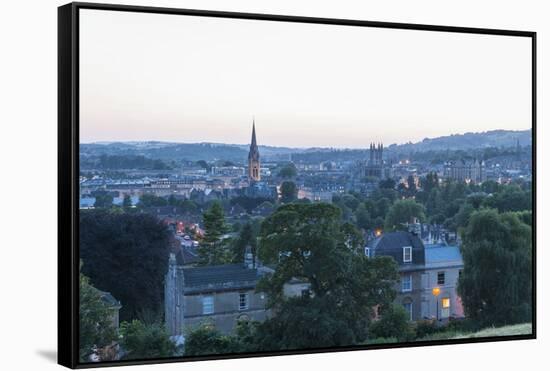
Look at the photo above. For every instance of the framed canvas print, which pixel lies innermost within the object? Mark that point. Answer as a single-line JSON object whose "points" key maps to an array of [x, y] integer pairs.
{"points": [[237, 185]]}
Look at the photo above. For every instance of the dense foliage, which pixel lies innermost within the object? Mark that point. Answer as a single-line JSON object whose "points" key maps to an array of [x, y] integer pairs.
{"points": [[394, 323], [213, 249], [115, 162], [403, 211], [496, 285], [289, 191], [205, 340], [145, 341], [96, 328], [126, 254], [308, 242], [288, 171], [247, 237]]}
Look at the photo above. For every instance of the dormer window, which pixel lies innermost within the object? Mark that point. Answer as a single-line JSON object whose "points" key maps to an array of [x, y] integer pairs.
{"points": [[367, 252], [407, 254]]}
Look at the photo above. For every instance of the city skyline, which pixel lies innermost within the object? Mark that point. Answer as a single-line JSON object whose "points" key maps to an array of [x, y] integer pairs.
{"points": [[186, 79], [365, 146]]}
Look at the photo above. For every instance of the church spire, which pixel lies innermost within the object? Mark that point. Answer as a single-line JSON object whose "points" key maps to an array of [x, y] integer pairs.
{"points": [[254, 156], [253, 140]]}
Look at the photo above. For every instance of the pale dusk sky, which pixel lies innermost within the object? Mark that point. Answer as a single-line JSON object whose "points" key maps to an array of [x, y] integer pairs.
{"points": [[196, 79]]}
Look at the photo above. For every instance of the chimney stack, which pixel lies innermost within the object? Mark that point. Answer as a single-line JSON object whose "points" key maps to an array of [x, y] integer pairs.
{"points": [[249, 258]]}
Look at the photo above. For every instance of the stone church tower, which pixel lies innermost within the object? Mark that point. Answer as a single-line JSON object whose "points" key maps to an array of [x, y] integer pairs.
{"points": [[374, 167], [253, 158]]}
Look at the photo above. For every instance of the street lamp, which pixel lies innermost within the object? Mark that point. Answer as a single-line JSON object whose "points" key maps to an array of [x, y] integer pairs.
{"points": [[435, 292]]}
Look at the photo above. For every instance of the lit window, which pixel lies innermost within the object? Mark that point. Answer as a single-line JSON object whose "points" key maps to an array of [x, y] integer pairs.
{"points": [[207, 305], [367, 252], [445, 307], [407, 254], [243, 301], [409, 309], [440, 278], [406, 283]]}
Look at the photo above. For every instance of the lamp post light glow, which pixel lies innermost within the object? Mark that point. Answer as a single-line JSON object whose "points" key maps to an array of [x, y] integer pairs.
{"points": [[435, 292]]}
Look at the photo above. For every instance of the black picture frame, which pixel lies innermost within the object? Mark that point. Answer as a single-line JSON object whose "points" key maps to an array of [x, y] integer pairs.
{"points": [[68, 171]]}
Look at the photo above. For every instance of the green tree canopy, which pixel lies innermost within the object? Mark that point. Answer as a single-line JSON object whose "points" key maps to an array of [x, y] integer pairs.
{"points": [[289, 191], [95, 318], [431, 181], [309, 243], [349, 200], [149, 200], [127, 255], [388, 183], [511, 198], [403, 211], [205, 340], [490, 186], [127, 202], [411, 185], [103, 200], [381, 207], [247, 237], [145, 341], [288, 171], [363, 217], [394, 323], [496, 285], [213, 249]]}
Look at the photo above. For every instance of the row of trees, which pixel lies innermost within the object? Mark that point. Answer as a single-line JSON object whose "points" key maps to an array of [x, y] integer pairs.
{"points": [[449, 203], [109, 162]]}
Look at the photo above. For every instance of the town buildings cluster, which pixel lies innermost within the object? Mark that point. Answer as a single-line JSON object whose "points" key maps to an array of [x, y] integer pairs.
{"points": [[428, 255]]}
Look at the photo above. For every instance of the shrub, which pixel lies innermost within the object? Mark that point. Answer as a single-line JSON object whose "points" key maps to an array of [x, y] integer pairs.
{"points": [[375, 341], [426, 327], [393, 324], [205, 340], [145, 341]]}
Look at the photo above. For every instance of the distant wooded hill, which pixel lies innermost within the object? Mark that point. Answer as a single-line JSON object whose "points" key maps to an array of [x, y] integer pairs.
{"points": [[494, 138], [236, 153]]}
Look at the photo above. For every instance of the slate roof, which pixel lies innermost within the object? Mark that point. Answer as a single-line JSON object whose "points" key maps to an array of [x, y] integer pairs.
{"points": [[187, 255], [396, 240], [228, 276], [442, 255], [392, 243], [109, 299]]}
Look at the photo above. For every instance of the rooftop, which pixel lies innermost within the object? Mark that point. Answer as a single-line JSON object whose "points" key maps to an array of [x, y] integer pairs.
{"points": [[395, 240], [227, 276], [437, 255]]}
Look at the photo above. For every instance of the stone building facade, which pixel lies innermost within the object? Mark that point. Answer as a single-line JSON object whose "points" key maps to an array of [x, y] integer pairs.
{"points": [[466, 171], [221, 295], [422, 268]]}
